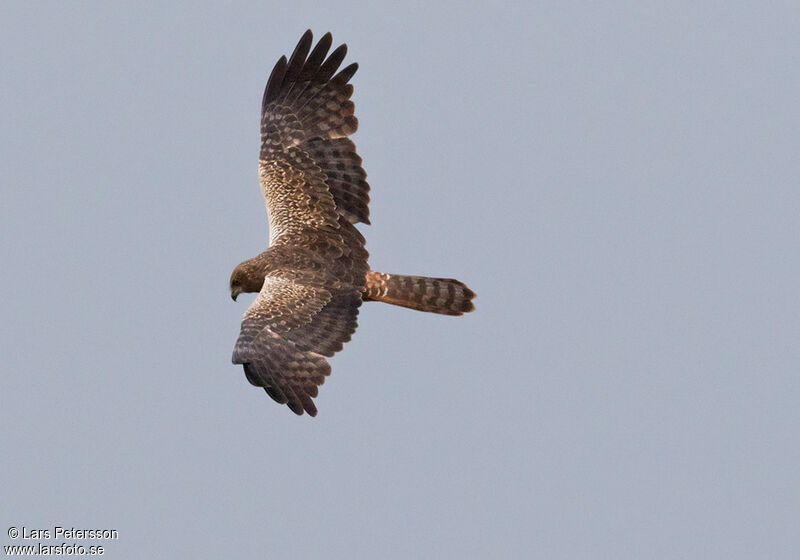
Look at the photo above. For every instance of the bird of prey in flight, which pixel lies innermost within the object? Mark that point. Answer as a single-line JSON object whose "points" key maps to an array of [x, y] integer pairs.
{"points": [[314, 275]]}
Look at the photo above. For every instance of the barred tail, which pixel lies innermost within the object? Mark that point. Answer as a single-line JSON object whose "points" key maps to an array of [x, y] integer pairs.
{"points": [[437, 295]]}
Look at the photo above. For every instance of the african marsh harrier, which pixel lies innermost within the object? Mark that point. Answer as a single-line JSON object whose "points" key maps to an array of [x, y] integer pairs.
{"points": [[314, 275]]}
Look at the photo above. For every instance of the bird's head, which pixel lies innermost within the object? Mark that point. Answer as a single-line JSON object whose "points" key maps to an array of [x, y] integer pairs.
{"points": [[238, 281]]}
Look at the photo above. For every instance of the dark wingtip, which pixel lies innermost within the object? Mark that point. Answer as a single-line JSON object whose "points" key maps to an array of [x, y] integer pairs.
{"points": [[298, 58], [308, 405], [332, 63], [317, 57], [346, 73], [276, 394], [295, 407], [274, 82]]}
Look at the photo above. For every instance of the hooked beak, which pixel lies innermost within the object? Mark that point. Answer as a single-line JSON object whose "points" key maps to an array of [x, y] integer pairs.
{"points": [[235, 293]]}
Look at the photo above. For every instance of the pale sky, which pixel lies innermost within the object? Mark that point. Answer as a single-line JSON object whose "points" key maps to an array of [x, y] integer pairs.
{"points": [[617, 181]]}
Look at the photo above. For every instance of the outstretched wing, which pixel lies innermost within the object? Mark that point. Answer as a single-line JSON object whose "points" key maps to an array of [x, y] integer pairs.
{"points": [[286, 334], [309, 170]]}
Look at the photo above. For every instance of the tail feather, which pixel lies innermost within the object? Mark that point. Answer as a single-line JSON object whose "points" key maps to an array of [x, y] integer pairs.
{"points": [[435, 295]]}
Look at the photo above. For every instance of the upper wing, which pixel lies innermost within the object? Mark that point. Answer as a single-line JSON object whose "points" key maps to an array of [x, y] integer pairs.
{"points": [[285, 335], [308, 169]]}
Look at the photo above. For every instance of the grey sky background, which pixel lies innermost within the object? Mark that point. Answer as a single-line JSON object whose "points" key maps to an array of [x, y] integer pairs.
{"points": [[617, 181]]}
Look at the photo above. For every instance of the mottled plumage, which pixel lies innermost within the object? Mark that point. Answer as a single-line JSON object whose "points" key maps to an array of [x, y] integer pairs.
{"points": [[314, 276]]}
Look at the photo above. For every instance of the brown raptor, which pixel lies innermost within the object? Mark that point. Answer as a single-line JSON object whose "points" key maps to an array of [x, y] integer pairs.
{"points": [[314, 275]]}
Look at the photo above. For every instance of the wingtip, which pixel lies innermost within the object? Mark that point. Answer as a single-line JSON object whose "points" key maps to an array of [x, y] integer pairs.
{"points": [[346, 73]]}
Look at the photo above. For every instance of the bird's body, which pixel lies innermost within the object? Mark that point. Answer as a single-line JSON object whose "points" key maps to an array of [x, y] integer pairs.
{"points": [[314, 276]]}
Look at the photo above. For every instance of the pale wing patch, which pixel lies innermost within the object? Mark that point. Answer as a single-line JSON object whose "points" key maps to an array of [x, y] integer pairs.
{"points": [[295, 194]]}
